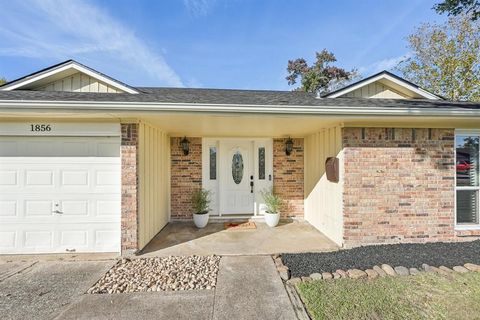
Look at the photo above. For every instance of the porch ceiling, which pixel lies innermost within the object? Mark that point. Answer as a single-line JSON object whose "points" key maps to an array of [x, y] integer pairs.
{"points": [[240, 125], [258, 125]]}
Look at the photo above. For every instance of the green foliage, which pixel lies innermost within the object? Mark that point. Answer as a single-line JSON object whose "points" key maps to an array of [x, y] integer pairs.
{"points": [[2, 81], [272, 201], [457, 7], [424, 296], [446, 58], [321, 77], [201, 201]]}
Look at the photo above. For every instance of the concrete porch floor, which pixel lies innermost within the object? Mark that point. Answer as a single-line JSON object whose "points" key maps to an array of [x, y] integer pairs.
{"points": [[183, 238]]}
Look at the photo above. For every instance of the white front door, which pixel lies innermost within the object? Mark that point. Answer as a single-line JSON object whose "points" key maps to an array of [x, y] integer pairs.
{"points": [[229, 168], [236, 177]]}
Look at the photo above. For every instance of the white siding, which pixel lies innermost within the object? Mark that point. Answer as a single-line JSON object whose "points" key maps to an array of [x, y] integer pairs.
{"points": [[323, 199], [376, 90], [78, 82], [154, 182]]}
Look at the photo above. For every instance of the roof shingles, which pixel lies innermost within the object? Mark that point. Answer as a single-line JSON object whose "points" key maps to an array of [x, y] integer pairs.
{"points": [[227, 97]]}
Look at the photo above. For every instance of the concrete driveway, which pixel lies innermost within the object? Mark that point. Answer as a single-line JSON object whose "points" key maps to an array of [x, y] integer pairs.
{"points": [[42, 289], [248, 287]]}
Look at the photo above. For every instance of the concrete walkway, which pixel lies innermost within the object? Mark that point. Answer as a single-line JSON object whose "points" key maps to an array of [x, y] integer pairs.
{"points": [[183, 238], [248, 287]]}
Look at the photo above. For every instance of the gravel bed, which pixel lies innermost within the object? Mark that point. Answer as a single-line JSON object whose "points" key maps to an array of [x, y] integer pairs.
{"points": [[407, 255], [160, 274]]}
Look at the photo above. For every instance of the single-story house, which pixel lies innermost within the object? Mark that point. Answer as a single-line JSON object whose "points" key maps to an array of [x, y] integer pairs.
{"points": [[91, 164]]}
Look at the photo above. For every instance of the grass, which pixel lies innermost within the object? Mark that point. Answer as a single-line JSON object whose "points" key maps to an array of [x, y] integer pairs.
{"points": [[425, 296]]}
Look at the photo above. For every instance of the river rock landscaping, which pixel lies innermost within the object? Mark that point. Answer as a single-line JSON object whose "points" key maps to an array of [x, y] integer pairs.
{"points": [[410, 256], [172, 273]]}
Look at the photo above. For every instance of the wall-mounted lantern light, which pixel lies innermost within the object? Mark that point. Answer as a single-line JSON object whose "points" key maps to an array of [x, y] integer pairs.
{"points": [[185, 144], [288, 146]]}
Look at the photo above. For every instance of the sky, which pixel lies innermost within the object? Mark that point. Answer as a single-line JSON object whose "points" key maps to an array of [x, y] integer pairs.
{"points": [[240, 44]]}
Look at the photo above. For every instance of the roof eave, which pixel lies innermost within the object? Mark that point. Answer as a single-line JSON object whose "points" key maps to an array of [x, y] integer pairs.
{"points": [[75, 106]]}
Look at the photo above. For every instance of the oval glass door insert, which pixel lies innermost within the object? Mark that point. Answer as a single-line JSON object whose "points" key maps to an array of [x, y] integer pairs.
{"points": [[237, 167]]}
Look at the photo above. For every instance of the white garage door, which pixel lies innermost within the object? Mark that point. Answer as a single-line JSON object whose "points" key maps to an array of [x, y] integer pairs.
{"points": [[59, 194]]}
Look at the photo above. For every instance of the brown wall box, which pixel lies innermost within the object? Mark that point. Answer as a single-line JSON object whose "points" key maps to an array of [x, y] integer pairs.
{"points": [[331, 168]]}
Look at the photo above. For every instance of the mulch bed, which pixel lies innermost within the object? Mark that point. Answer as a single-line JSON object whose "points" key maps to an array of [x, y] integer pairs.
{"points": [[407, 255]]}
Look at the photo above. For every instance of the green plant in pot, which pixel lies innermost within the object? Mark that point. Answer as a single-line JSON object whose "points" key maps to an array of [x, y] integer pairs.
{"points": [[273, 203], [201, 207]]}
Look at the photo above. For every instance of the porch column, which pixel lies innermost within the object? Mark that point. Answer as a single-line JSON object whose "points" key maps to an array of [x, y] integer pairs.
{"points": [[288, 175], [186, 176], [129, 202]]}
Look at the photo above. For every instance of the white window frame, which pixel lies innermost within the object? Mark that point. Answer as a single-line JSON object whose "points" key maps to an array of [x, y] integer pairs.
{"points": [[464, 226]]}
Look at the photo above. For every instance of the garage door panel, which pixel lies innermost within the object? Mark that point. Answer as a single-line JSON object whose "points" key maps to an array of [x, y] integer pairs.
{"points": [[81, 185], [107, 207], [74, 238], [8, 178], [78, 178], [106, 178], [75, 207], [8, 240], [38, 239], [45, 238], [8, 208], [84, 178], [103, 238], [38, 208], [95, 207], [39, 178]]}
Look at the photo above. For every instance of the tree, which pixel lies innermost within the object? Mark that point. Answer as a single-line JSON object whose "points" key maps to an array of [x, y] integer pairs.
{"points": [[457, 7], [321, 77], [2, 81], [446, 58]]}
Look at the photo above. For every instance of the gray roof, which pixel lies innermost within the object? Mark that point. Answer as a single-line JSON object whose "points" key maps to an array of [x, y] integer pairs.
{"points": [[226, 96]]}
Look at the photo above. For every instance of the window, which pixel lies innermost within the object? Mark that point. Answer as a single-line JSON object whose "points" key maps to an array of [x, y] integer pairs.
{"points": [[213, 163], [467, 174], [261, 163], [237, 167]]}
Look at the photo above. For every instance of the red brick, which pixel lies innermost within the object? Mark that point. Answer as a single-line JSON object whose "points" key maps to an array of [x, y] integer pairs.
{"points": [[397, 189]]}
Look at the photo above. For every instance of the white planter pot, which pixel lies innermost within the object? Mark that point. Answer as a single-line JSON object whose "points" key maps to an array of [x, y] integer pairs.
{"points": [[200, 220], [272, 219]]}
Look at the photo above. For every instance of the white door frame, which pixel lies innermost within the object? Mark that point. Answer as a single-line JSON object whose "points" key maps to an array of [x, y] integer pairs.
{"points": [[213, 144]]}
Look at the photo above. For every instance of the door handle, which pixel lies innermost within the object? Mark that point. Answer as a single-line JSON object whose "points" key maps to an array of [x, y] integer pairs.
{"points": [[57, 211], [251, 186]]}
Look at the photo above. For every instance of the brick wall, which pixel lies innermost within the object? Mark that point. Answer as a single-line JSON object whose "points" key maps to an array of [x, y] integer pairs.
{"points": [[129, 160], [399, 185], [288, 177], [186, 176]]}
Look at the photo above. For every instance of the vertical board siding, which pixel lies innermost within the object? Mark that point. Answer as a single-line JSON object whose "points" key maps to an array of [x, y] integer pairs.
{"points": [[154, 181], [323, 199], [78, 82], [376, 90]]}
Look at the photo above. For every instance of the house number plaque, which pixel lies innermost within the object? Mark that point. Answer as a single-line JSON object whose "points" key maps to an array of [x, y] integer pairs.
{"points": [[40, 127]]}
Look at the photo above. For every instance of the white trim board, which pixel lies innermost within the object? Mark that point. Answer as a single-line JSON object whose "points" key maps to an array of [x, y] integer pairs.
{"points": [[59, 129]]}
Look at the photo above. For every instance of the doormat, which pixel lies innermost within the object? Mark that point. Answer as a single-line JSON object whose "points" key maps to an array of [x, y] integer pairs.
{"points": [[239, 225]]}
